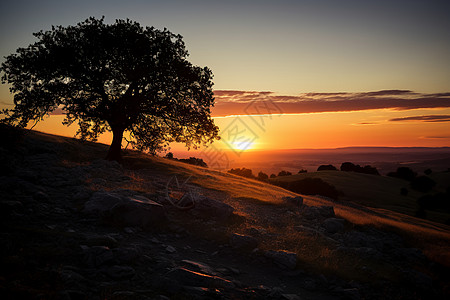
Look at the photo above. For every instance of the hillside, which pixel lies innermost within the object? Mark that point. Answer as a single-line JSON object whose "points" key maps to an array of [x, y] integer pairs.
{"points": [[77, 227], [378, 191]]}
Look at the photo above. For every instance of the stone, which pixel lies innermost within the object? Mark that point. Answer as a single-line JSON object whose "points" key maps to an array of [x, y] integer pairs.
{"points": [[171, 249], [120, 272], [291, 297], [126, 255], [199, 267], [193, 278], [137, 213], [101, 202], [284, 259], [296, 201], [208, 208], [243, 242], [97, 255], [333, 225], [101, 240]]}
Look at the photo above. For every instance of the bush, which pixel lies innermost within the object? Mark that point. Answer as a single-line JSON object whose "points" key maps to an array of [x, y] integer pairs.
{"points": [[242, 172], [311, 186], [326, 168], [194, 161], [350, 167], [422, 184], [284, 173], [403, 173], [302, 171], [262, 176], [273, 175]]}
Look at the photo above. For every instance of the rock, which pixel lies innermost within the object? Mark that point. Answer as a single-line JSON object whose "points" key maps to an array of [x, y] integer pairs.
{"points": [[101, 240], [357, 239], [199, 267], [284, 259], [120, 272], [316, 212], [243, 242], [291, 297], [171, 249], [101, 202], [333, 225], [97, 255], [126, 255], [41, 197], [136, 212], [297, 201], [192, 278], [208, 208]]}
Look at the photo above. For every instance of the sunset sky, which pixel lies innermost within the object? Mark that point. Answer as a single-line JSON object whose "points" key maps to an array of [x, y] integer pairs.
{"points": [[290, 74]]}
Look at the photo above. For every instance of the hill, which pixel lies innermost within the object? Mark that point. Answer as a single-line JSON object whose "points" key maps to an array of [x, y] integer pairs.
{"points": [[77, 227], [378, 191]]}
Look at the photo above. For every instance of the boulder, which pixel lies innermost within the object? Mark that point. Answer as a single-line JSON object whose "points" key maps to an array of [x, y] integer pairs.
{"points": [[317, 212], [296, 201], [120, 272], [333, 225], [142, 213], [243, 242], [101, 202], [208, 208], [191, 278], [283, 259]]}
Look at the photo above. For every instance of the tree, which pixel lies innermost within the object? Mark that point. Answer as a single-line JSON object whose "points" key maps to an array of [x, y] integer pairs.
{"points": [[118, 77], [262, 176], [284, 173]]}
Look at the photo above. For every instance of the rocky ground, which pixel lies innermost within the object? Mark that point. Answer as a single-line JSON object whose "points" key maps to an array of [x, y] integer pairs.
{"points": [[77, 227]]}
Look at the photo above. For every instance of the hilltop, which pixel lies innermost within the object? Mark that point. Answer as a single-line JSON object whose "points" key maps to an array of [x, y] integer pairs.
{"points": [[75, 226]]}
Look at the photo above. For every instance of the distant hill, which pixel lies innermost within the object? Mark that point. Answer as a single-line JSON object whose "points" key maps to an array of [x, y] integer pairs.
{"points": [[378, 191]]}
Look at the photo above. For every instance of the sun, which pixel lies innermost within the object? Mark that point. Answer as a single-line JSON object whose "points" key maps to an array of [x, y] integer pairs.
{"points": [[242, 145]]}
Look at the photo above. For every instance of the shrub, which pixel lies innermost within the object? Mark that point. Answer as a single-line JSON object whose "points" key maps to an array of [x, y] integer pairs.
{"points": [[284, 173], [194, 161], [311, 186], [262, 176], [242, 172], [350, 167], [273, 175], [403, 173], [302, 171], [326, 168], [423, 184]]}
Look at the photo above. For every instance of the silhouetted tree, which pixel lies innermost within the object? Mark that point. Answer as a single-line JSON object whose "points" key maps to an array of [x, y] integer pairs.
{"points": [[326, 168], [422, 184], [302, 171], [273, 175], [284, 173], [427, 171], [194, 161], [262, 176], [248, 173], [350, 167], [169, 155], [118, 77], [311, 186], [403, 173]]}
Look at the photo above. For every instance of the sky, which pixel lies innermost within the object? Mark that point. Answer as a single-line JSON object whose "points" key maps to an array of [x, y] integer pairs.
{"points": [[290, 74]]}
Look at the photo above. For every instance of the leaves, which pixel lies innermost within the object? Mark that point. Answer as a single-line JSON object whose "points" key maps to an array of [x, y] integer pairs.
{"points": [[121, 76]]}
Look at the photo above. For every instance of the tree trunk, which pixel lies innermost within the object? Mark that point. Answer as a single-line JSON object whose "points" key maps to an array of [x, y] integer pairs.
{"points": [[116, 145]]}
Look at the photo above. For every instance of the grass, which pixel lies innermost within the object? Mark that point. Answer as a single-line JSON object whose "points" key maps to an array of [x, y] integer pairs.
{"points": [[377, 191]]}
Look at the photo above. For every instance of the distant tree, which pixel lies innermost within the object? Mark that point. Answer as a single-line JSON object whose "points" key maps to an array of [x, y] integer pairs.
{"points": [[403, 173], [311, 186], [302, 171], [194, 161], [284, 173], [427, 171], [169, 155], [326, 168], [404, 191], [262, 176], [350, 167], [273, 175], [422, 184], [248, 173], [117, 77]]}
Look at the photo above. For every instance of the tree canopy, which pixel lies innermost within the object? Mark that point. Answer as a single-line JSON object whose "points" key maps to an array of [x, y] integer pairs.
{"points": [[118, 77]]}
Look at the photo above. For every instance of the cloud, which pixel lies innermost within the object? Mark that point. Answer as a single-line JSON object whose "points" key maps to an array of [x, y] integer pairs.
{"points": [[429, 118], [437, 137], [237, 102]]}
